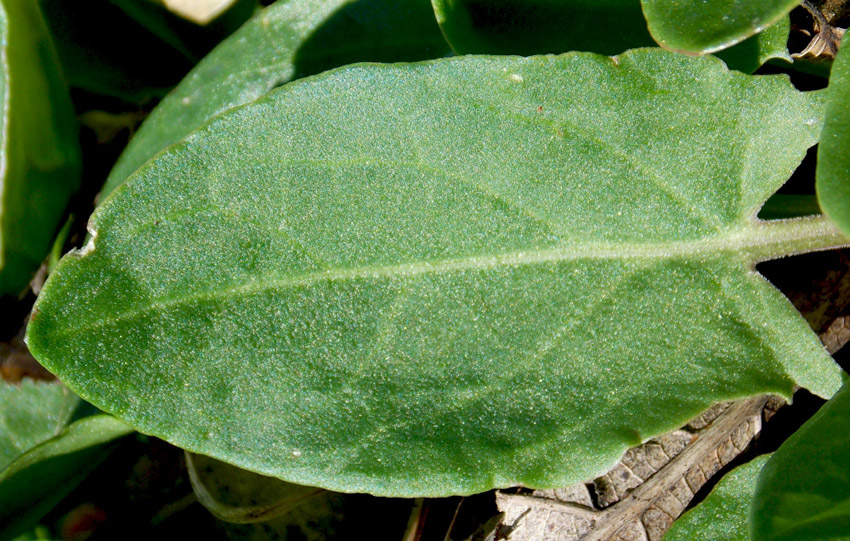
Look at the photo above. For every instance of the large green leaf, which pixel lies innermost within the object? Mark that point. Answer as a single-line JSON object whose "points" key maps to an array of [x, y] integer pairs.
{"points": [[707, 26], [35, 482], [39, 154], [723, 513], [31, 413], [442, 277], [804, 489], [287, 40], [833, 170], [542, 26]]}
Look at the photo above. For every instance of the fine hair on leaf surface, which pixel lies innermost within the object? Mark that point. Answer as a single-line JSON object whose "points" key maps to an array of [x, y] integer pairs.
{"points": [[444, 277]]}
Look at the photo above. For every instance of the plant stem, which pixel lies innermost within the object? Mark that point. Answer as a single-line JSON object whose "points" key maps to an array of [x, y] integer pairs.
{"points": [[774, 239]]}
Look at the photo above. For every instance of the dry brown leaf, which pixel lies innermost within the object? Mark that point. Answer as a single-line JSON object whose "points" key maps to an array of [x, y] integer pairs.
{"points": [[824, 45], [834, 10], [837, 334]]}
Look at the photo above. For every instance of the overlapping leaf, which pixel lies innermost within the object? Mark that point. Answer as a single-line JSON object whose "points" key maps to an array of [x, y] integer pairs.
{"points": [[833, 172], [42, 457], [438, 278], [710, 25], [31, 413], [39, 154], [287, 40], [803, 491], [723, 514], [37, 480], [753, 52]]}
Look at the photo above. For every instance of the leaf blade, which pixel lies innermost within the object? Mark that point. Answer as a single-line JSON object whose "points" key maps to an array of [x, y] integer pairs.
{"points": [[436, 301], [31, 413], [723, 513], [802, 490], [40, 152], [707, 27], [38, 479], [755, 51], [833, 168]]}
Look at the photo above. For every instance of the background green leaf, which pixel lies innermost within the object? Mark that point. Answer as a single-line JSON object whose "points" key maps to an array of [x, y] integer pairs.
{"points": [[782, 206], [555, 26], [31, 485], [755, 51], [438, 278], [42, 457], [287, 40], [542, 26], [723, 513], [40, 154], [804, 489], [30, 414], [710, 25], [833, 169], [39, 533]]}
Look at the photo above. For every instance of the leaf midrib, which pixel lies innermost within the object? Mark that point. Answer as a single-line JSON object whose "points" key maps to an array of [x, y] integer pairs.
{"points": [[742, 243]]}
